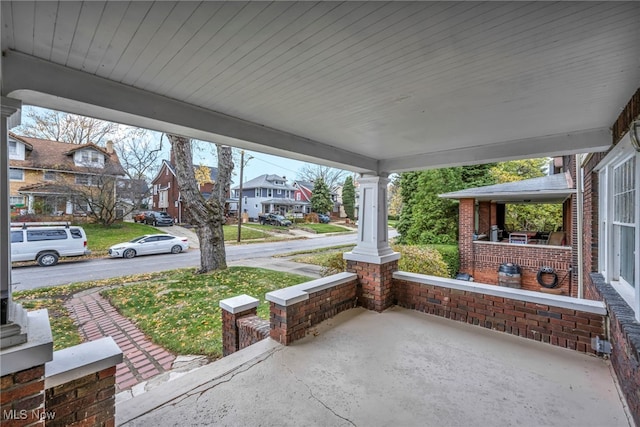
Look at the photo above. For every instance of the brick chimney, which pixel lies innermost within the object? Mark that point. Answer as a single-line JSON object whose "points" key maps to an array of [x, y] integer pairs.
{"points": [[110, 147]]}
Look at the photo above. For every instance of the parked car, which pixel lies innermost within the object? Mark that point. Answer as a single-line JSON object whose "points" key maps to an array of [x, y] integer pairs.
{"points": [[46, 242], [274, 219], [139, 217], [158, 218], [324, 219], [149, 244]]}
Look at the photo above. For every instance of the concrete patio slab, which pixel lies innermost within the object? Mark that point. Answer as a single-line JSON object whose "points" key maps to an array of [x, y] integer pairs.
{"points": [[400, 368]]}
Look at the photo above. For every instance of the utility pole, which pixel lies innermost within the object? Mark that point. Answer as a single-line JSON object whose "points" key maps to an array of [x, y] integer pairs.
{"points": [[240, 196]]}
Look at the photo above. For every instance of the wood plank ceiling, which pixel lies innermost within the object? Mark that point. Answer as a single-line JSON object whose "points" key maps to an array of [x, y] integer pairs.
{"points": [[385, 80]]}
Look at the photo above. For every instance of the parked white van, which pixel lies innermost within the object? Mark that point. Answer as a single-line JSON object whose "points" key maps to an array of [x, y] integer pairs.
{"points": [[46, 242]]}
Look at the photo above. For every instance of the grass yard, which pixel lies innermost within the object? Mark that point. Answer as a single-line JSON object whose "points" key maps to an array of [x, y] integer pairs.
{"points": [[177, 309], [231, 233], [180, 311], [100, 238], [324, 228], [65, 332]]}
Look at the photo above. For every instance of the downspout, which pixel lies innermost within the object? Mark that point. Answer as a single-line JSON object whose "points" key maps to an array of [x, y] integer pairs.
{"points": [[580, 219]]}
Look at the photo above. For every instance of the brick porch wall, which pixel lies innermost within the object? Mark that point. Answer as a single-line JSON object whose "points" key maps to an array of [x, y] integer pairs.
{"points": [[296, 309], [252, 329], [374, 291], [87, 401], [489, 255], [624, 332], [22, 398], [557, 320]]}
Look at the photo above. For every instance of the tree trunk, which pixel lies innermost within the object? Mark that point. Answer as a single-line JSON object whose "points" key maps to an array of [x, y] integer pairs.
{"points": [[206, 214], [222, 185]]}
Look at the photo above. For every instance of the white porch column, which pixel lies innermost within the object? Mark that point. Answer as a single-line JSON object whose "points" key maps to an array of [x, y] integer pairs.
{"points": [[69, 207], [373, 232], [30, 200], [12, 318]]}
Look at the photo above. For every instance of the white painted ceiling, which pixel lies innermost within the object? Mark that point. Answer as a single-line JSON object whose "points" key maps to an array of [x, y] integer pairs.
{"points": [[362, 85]]}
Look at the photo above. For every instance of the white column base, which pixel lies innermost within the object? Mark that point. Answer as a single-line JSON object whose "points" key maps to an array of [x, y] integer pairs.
{"points": [[372, 259]]}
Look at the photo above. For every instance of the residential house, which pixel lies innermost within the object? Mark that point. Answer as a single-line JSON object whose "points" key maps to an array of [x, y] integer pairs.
{"points": [[304, 191], [43, 174], [269, 194], [166, 195]]}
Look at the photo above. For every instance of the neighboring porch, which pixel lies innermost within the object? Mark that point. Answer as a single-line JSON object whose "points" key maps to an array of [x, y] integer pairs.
{"points": [[399, 367], [285, 206], [487, 241]]}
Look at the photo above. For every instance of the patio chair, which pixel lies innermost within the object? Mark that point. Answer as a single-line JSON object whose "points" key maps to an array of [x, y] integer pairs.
{"points": [[556, 238]]}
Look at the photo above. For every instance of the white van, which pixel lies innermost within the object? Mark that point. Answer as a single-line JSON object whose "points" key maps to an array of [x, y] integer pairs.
{"points": [[46, 242]]}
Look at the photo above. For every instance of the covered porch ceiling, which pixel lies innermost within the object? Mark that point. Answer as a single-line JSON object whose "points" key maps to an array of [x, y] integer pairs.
{"points": [[365, 86]]}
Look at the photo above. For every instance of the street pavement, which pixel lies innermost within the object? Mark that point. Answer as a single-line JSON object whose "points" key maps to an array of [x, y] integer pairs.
{"points": [[254, 254]]}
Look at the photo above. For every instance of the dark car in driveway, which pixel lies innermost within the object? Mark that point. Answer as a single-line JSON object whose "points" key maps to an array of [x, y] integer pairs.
{"points": [[274, 219], [158, 218], [324, 219]]}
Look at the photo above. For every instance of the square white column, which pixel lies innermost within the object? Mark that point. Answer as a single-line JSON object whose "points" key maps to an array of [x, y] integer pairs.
{"points": [[373, 232]]}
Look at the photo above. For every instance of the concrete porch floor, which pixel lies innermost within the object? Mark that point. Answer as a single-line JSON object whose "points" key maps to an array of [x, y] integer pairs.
{"points": [[400, 368]]}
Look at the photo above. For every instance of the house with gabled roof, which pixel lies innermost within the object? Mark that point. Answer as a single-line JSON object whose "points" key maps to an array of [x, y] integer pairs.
{"points": [[165, 190], [269, 193], [43, 173], [304, 191]]}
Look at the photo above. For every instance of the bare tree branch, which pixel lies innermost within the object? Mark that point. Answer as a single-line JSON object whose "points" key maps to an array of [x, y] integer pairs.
{"points": [[332, 177]]}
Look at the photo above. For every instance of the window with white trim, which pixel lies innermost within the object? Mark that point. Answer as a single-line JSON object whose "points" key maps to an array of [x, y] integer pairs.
{"points": [[16, 200], [89, 157], [619, 228], [16, 174], [13, 147], [257, 192]]}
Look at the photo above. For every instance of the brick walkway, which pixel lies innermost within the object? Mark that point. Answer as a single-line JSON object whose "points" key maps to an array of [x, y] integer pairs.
{"points": [[96, 318]]}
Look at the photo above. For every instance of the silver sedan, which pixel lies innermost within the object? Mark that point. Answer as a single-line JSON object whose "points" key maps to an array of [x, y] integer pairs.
{"points": [[149, 244]]}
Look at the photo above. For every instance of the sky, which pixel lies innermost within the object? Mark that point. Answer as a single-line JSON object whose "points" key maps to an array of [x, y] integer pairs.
{"points": [[256, 165]]}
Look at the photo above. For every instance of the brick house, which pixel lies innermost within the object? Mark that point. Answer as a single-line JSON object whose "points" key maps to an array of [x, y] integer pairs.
{"points": [[43, 173], [166, 191], [482, 252]]}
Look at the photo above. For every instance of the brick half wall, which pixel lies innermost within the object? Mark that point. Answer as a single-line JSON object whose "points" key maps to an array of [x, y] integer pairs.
{"points": [[624, 331], [297, 308], [488, 256], [557, 320]]}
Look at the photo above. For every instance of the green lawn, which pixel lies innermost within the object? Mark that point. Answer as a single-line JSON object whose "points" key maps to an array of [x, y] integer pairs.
{"points": [[177, 309], [324, 228], [231, 233], [180, 311], [100, 238]]}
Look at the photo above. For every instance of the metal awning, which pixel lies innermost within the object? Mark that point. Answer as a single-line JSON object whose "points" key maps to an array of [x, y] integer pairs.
{"points": [[546, 189]]}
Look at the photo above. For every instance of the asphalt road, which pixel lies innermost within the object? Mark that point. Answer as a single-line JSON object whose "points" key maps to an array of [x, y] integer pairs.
{"points": [[104, 268]]}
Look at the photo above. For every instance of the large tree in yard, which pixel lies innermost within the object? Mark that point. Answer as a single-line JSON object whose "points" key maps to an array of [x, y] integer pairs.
{"points": [[208, 215], [426, 218], [321, 197], [349, 197]]}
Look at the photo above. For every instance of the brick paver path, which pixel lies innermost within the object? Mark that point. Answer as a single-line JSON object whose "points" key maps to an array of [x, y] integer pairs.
{"points": [[96, 318]]}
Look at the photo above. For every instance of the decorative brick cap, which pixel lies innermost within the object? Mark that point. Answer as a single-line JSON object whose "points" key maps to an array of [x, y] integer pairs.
{"points": [[75, 362], [239, 304], [297, 293]]}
